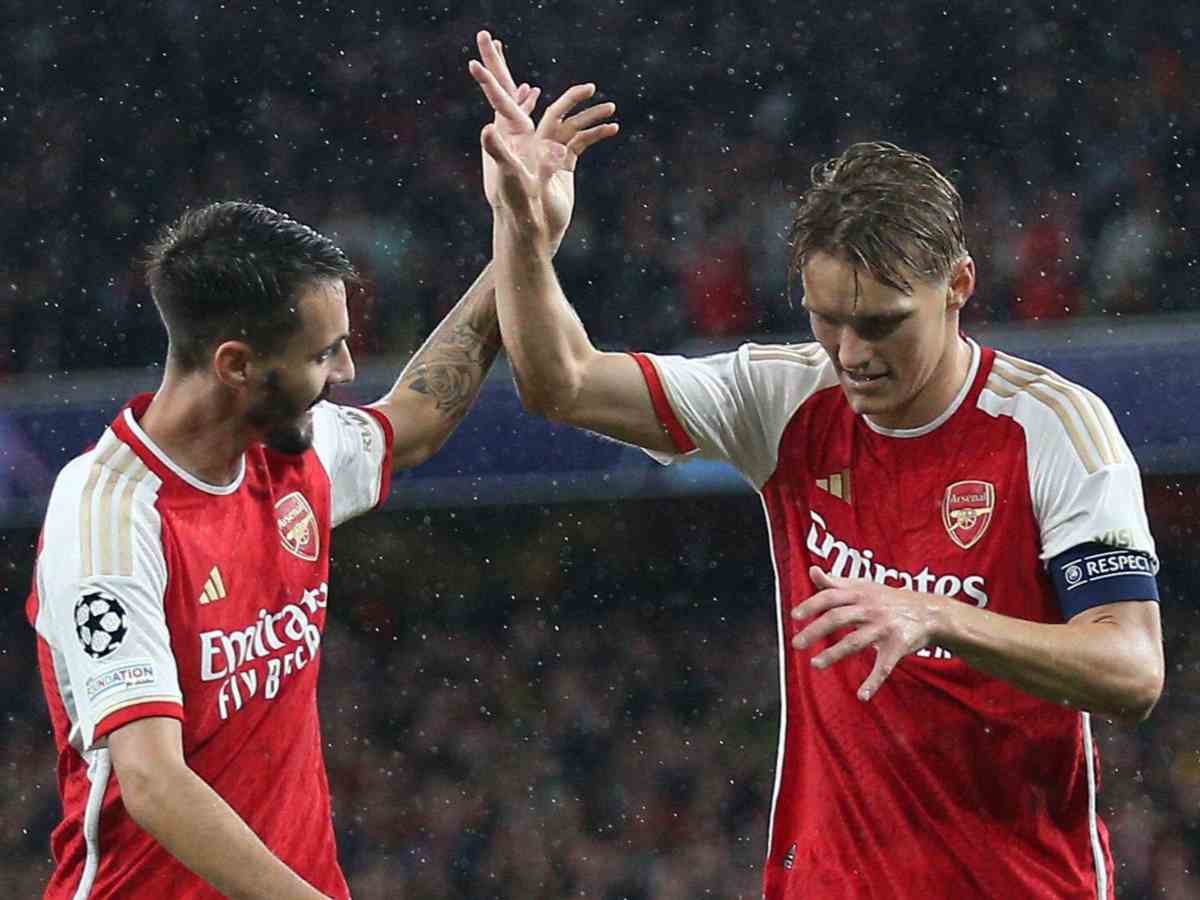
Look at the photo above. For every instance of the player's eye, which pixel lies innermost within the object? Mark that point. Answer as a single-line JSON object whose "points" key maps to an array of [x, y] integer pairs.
{"points": [[327, 354], [876, 329], [820, 319]]}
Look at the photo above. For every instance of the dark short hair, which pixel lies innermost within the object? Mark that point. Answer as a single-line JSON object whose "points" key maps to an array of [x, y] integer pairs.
{"points": [[233, 271], [882, 208]]}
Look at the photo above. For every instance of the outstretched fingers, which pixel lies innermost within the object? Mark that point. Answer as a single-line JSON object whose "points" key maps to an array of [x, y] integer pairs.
{"points": [[529, 102], [491, 51], [885, 662], [590, 116], [500, 99], [590, 136], [557, 111], [855, 642]]}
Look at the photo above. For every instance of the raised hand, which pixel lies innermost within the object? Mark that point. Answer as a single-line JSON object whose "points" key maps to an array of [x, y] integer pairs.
{"points": [[528, 169]]}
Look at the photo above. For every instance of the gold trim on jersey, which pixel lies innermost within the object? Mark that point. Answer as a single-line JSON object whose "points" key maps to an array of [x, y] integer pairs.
{"points": [[804, 354], [837, 484], [1096, 444], [1090, 408], [136, 701], [116, 472], [214, 588], [85, 502]]}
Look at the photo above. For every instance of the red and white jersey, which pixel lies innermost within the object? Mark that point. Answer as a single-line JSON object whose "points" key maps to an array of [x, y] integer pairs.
{"points": [[156, 594], [948, 782]]}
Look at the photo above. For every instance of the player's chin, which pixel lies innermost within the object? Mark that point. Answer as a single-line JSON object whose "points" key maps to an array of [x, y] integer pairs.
{"points": [[877, 398], [294, 438]]}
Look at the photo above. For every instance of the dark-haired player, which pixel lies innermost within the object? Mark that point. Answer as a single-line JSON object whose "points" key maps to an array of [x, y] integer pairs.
{"points": [[958, 535], [182, 579]]}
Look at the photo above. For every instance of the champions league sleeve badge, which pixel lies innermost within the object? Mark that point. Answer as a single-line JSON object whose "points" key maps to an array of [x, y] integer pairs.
{"points": [[100, 624]]}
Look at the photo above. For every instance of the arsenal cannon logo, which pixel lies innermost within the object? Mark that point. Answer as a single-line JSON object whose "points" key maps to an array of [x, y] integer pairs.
{"points": [[967, 511], [297, 526]]}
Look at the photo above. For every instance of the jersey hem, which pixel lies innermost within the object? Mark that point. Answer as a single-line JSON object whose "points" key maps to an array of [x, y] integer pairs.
{"points": [[662, 406], [124, 716]]}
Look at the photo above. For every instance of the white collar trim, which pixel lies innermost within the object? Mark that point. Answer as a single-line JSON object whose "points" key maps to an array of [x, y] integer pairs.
{"points": [[946, 413], [218, 489]]}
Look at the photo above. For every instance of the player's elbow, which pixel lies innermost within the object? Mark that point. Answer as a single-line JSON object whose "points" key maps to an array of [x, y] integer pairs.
{"points": [[1142, 692], [410, 454], [149, 766], [551, 398], [144, 791]]}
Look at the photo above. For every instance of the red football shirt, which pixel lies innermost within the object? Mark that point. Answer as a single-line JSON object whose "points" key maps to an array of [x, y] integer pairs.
{"points": [[947, 783], [156, 594]]}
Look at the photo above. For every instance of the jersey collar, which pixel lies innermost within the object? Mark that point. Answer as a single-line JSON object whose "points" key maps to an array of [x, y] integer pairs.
{"points": [[950, 410], [127, 429]]}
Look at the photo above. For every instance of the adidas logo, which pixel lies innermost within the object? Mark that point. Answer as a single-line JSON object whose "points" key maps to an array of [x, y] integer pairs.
{"points": [[837, 484], [214, 587]]}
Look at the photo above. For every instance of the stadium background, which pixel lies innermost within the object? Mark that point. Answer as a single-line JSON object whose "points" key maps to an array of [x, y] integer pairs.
{"points": [[533, 689]]}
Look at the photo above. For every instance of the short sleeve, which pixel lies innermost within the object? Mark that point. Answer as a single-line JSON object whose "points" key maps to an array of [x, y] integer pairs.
{"points": [[355, 447], [1085, 499], [101, 584], [734, 406]]}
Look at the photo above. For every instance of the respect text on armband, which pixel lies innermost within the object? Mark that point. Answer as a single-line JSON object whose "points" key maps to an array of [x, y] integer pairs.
{"points": [[257, 659]]}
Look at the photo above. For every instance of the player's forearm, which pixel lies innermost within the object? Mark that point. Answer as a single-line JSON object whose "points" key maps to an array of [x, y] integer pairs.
{"points": [[443, 378], [202, 831], [1093, 663], [545, 340]]}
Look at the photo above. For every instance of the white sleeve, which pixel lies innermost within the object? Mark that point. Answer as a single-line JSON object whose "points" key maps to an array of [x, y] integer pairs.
{"points": [[355, 447], [101, 584], [735, 406], [1084, 481]]}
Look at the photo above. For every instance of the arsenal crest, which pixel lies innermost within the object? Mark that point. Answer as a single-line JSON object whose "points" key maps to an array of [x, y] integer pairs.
{"points": [[297, 526], [967, 511]]}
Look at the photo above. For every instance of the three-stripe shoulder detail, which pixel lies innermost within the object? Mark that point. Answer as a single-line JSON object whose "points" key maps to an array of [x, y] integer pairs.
{"points": [[1091, 430], [106, 508], [810, 355]]}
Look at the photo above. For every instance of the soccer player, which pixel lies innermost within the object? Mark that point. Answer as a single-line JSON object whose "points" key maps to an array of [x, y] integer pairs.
{"points": [[965, 572], [181, 585]]}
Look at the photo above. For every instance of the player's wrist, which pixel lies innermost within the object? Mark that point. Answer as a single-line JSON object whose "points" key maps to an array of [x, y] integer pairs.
{"points": [[941, 623], [524, 234]]}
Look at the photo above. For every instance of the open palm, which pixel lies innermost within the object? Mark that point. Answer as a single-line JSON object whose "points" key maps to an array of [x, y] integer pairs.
{"points": [[531, 168]]}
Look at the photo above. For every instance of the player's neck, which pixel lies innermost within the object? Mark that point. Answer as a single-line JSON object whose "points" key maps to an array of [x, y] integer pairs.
{"points": [[939, 391], [192, 424]]}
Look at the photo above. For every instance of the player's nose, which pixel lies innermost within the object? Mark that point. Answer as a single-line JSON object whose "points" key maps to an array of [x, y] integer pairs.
{"points": [[853, 352], [343, 369]]}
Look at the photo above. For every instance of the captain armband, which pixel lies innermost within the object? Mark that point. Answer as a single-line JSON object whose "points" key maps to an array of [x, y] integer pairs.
{"points": [[1093, 574]]}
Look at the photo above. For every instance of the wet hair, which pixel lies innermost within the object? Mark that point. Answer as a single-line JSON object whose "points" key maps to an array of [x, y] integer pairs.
{"points": [[885, 210], [234, 271]]}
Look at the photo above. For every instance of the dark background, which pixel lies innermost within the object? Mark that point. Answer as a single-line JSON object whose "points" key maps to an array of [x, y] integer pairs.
{"points": [[581, 699]]}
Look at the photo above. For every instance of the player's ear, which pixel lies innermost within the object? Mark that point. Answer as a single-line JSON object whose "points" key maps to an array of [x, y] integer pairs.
{"points": [[233, 363], [962, 284]]}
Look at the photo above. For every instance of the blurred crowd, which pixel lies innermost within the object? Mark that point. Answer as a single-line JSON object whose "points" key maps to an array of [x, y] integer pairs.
{"points": [[1071, 133], [582, 701]]}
